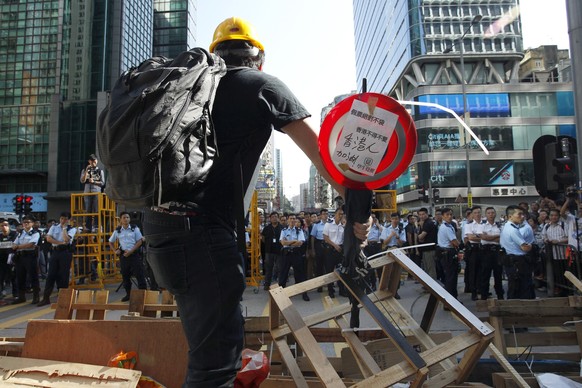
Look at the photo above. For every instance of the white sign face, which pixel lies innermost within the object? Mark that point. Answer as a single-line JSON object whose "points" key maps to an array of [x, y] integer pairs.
{"points": [[364, 139]]}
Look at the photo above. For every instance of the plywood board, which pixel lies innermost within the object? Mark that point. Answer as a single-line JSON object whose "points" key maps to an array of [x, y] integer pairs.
{"points": [[19, 372], [161, 345]]}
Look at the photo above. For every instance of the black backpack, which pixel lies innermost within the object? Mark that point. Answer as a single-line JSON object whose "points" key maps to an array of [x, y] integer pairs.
{"points": [[155, 136]]}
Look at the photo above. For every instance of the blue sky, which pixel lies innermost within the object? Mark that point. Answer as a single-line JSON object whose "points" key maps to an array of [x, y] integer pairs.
{"points": [[309, 44]]}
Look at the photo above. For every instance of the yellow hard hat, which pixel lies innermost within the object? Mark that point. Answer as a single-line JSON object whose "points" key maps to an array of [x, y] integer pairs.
{"points": [[235, 29]]}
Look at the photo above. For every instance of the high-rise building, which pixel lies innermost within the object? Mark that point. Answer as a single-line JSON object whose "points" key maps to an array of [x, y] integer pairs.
{"points": [[411, 50], [174, 26], [57, 58]]}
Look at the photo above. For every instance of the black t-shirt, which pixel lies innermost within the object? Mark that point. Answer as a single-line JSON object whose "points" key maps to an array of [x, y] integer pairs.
{"points": [[272, 235], [10, 237], [248, 105], [429, 226]]}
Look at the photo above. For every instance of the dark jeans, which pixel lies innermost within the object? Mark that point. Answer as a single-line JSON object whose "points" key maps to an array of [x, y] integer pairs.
{"points": [[91, 203], [197, 260], [490, 263], [26, 265], [132, 265], [450, 266], [272, 267], [519, 277], [292, 258], [59, 270]]}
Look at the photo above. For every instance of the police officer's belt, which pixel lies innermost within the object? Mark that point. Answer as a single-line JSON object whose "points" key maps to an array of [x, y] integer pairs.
{"points": [[61, 248], [291, 250]]}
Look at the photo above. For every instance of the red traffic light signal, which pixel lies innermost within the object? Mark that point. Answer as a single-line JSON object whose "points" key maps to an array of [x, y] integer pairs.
{"points": [[27, 204], [17, 202], [565, 171]]}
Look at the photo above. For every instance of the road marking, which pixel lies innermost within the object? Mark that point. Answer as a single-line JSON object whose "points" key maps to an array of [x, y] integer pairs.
{"points": [[25, 318]]}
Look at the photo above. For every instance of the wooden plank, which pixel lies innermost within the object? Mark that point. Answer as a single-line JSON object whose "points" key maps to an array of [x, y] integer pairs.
{"points": [[137, 301], [95, 342], [290, 362], [83, 296], [575, 281], [303, 336], [101, 298], [432, 356], [395, 336], [470, 358], [310, 284], [415, 330], [366, 363], [168, 299], [540, 339], [434, 287], [151, 297], [64, 304], [11, 346], [19, 371], [507, 367]]}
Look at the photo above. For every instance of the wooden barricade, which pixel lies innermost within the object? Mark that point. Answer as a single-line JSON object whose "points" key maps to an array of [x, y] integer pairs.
{"points": [[434, 361], [535, 328]]}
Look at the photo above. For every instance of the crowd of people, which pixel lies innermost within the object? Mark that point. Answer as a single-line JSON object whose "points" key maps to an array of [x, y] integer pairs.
{"points": [[529, 246]]}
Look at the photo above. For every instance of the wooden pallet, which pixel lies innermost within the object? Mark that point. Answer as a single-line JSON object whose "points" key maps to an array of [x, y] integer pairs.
{"points": [[434, 361], [544, 319]]}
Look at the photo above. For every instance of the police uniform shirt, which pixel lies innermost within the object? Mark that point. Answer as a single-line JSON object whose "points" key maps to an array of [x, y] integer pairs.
{"points": [[292, 234], [56, 232], [374, 234], [317, 230], [127, 237], [472, 228], [527, 233], [490, 230], [25, 237], [445, 235], [335, 232], [393, 241], [512, 239]]}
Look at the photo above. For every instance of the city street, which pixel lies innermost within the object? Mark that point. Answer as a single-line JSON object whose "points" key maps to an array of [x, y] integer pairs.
{"points": [[13, 318]]}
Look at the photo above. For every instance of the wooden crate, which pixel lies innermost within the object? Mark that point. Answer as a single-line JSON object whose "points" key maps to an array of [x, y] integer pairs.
{"points": [[415, 367]]}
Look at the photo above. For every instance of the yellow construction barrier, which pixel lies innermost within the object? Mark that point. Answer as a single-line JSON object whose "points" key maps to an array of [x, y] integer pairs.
{"points": [[255, 276], [93, 262]]}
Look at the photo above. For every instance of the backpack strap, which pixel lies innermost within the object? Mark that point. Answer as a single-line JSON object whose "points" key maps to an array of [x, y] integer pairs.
{"points": [[239, 206]]}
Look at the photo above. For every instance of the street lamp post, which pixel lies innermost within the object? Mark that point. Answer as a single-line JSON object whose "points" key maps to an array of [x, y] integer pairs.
{"points": [[475, 20]]}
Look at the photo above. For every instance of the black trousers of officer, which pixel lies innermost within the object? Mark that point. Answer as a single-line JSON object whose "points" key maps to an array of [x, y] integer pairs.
{"points": [[519, 273], [472, 268], [319, 257], [5, 268], [132, 265], [489, 257], [450, 264], [332, 259], [292, 257], [59, 269], [26, 263]]}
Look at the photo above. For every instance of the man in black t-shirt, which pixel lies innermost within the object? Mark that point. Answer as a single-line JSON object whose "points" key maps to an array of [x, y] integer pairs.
{"points": [[194, 252], [270, 237], [427, 234]]}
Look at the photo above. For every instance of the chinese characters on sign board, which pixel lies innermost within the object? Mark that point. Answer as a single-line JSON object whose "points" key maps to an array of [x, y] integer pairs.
{"points": [[508, 191], [364, 139]]}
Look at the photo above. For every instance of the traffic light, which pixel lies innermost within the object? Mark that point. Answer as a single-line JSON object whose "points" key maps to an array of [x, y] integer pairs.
{"points": [[27, 204], [436, 195], [565, 171], [17, 201], [423, 194]]}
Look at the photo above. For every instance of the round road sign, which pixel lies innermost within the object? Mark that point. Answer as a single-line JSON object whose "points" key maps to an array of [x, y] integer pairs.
{"points": [[367, 140]]}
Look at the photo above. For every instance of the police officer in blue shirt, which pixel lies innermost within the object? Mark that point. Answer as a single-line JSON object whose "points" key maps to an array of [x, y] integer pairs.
{"points": [[130, 240], [60, 236], [516, 239], [317, 244], [447, 245], [25, 260], [292, 239]]}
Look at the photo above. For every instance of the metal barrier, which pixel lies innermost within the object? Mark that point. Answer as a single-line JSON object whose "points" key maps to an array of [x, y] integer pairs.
{"points": [[93, 262]]}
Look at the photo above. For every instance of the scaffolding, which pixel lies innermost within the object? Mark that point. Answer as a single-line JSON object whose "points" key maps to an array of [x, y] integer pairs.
{"points": [[254, 275], [93, 264]]}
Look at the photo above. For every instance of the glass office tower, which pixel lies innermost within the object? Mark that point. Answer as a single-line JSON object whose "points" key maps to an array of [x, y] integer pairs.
{"points": [[411, 51], [56, 58]]}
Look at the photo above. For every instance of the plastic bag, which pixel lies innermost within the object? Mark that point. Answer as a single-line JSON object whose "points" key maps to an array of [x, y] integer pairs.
{"points": [[255, 369], [123, 360]]}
